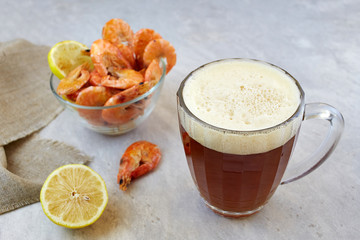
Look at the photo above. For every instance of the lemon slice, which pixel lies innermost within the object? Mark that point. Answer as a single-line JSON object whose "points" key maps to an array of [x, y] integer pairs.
{"points": [[67, 55], [74, 196]]}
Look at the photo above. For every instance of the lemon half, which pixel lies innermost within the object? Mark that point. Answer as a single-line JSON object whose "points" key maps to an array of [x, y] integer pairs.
{"points": [[74, 196], [67, 55]]}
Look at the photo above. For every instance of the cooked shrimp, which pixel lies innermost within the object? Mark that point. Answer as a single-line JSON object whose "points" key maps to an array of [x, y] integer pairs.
{"points": [[93, 96], [141, 39], [138, 159], [74, 95], [117, 31], [143, 88], [153, 72], [122, 114], [95, 78], [114, 91], [142, 71], [106, 56], [142, 104], [127, 53], [152, 77], [160, 48], [74, 80], [123, 79]]}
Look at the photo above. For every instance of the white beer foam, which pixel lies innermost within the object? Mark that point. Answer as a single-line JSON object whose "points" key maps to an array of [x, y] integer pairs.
{"points": [[241, 95]]}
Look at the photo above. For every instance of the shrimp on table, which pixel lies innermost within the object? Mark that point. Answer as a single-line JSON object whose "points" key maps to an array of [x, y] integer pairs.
{"points": [[122, 79], [117, 31], [122, 114], [107, 56], [141, 39], [138, 159], [160, 48], [75, 80]]}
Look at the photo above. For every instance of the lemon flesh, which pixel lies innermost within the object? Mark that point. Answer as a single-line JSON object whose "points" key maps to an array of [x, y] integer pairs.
{"points": [[74, 196], [67, 55]]}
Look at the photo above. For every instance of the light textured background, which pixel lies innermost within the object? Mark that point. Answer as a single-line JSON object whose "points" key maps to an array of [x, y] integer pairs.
{"points": [[318, 42]]}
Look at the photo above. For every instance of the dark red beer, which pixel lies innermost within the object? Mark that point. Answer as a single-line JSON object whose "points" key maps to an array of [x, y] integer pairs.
{"points": [[236, 183]]}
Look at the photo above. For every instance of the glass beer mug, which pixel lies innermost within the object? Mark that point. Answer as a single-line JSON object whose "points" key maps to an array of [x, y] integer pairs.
{"points": [[239, 120]]}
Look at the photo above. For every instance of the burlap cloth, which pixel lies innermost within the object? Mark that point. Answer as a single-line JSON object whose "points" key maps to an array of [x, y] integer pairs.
{"points": [[27, 105]]}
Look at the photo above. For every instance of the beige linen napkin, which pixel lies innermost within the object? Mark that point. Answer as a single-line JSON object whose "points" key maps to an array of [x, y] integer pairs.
{"points": [[27, 105], [29, 161], [26, 102]]}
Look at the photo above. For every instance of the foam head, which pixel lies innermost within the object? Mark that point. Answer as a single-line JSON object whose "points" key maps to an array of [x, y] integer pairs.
{"points": [[240, 95]]}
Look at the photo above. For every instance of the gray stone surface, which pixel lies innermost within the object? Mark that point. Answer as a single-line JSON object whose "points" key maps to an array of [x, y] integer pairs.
{"points": [[318, 42]]}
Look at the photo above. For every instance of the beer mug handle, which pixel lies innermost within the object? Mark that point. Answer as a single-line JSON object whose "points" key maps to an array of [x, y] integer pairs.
{"points": [[333, 116]]}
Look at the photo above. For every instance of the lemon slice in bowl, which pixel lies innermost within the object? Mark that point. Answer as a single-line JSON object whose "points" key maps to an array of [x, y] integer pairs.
{"points": [[74, 196], [67, 55]]}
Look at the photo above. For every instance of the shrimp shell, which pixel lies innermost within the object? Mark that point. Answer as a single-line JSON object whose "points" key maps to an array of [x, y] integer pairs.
{"points": [[74, 95], [95, 78], [74, 80], [93, 96], [117, 31], [138, 159], [123, 79], [160, 48], [127, 53], [152, 76], [106, 56], [141, 40], [119, 115], [153, 73]]}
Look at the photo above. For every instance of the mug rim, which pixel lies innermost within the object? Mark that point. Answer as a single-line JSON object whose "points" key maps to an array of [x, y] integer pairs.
{"points": [[294, 116]]}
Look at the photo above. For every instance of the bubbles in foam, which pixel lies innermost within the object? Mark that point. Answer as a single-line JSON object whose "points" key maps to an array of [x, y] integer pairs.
{"points": [[241, 95]]}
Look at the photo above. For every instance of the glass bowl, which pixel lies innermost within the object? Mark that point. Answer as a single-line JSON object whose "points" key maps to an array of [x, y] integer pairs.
{"points": [[128, 114]]}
